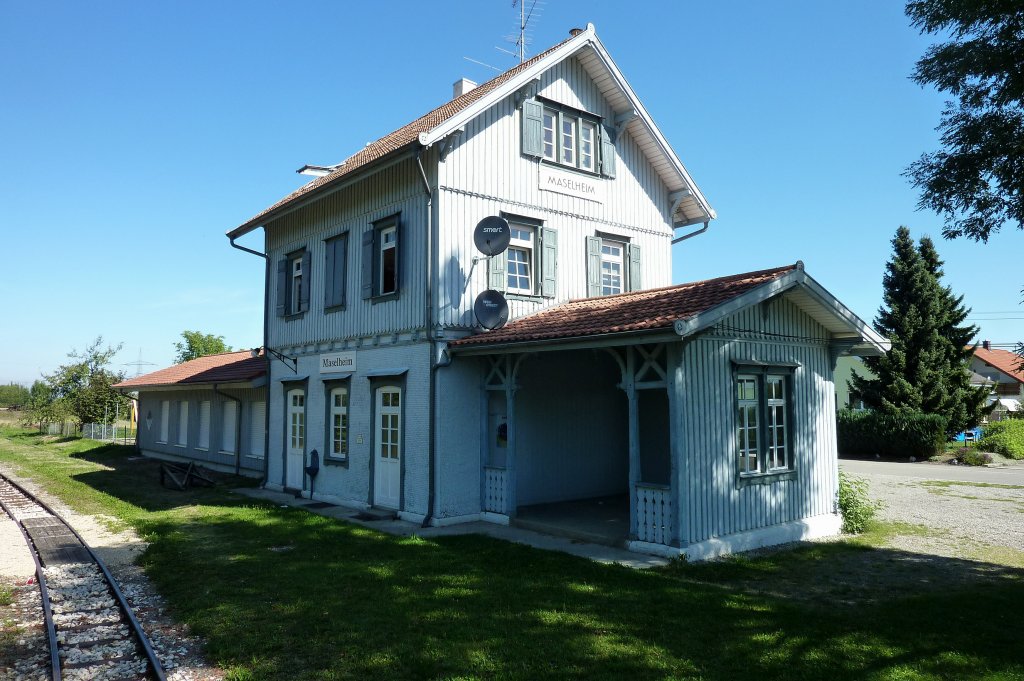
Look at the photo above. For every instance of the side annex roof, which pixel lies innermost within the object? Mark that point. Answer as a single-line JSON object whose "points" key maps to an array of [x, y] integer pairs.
{"points": [[238, 367], [691, 207]]}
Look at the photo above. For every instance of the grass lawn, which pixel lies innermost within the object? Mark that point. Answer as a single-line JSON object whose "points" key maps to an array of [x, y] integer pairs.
{"points": [[280, 593]]}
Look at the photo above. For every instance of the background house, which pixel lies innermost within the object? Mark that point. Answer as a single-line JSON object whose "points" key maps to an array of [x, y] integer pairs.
{"points": [[1003, 369]]}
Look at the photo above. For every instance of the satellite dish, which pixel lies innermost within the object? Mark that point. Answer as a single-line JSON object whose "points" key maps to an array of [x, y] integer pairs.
{"points": [[492, 235], [491, 309]]}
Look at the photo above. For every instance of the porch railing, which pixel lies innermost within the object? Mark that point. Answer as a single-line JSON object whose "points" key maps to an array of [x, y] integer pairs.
{"points": [[495, 490], [653, 513]]}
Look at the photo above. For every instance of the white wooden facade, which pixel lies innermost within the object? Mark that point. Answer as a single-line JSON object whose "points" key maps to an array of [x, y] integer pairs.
{"points": [[677, 428]]}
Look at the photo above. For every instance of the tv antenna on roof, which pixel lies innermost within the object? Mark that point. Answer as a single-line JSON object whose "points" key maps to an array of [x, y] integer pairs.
{"points": [[138, 364], [524, 21]]}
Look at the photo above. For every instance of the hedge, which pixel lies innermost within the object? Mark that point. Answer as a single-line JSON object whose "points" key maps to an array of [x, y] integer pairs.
{"points": [[1004, 437], [866, 433]]}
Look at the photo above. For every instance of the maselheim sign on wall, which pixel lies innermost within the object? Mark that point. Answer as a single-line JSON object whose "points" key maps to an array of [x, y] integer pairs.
{"points": [[338, 362], [572, 184]]}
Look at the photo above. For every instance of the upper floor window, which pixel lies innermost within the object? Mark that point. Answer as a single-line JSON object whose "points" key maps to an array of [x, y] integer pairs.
{"points": [[613, 265], [335, 271], [520, 260], [567, 137], [293, 277], [381, 251]]}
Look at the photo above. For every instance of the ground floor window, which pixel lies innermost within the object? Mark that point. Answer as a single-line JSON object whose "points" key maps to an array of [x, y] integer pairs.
{"points": [[389, 415], [296, 419], [337, 423], [763, 422], [183, 423]]}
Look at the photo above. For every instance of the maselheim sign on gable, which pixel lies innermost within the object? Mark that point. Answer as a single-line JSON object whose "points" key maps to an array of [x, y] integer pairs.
{"points": [[572, 184]]}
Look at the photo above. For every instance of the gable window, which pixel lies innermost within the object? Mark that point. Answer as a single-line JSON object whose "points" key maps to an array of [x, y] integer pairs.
{"points": [[763, 428], [613, 265], [381, 250], [567, 137], [293, 278], [335, 271], [520, 260], [528, 267]]}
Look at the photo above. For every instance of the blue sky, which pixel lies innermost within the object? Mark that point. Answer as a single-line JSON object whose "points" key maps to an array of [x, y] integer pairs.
{"points": [[136, 134]]}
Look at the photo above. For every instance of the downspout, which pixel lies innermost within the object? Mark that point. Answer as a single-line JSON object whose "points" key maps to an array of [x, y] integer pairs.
{"points": [[266, 355], [429, 318], [238, 427]]}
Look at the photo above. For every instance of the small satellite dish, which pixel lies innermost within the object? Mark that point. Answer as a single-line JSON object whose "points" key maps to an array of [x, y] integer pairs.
{"points": [[492, 235], [491, 309]]}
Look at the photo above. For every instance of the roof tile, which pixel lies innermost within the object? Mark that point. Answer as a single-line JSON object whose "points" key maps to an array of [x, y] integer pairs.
{"points": [[1004, 360], [227, 367]]}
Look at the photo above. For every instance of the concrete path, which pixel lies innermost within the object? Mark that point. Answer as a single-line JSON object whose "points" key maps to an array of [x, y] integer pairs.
{"points": [[595, 552], [1006, 475]]}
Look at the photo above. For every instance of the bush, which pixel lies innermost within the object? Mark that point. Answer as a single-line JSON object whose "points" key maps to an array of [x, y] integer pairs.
{"points": [[1004, 437], [976, 458], [898, 435], [855, 506]]}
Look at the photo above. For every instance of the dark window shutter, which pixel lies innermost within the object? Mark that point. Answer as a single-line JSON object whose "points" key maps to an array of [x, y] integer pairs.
{"points": [[548, 262], [398, 255], [593, 266], [635, 281], [307, 279], [340, 268], [329, 262], [496, 271], [369, 255], [533, 128], [282, 287], [607, 151]]}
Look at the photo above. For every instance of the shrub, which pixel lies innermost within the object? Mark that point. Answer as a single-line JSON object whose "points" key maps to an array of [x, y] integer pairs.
{"points": [[976, 458], [1004, 437], [854, 504], [899, 435]]}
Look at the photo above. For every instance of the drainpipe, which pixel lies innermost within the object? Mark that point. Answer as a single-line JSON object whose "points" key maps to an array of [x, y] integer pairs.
{"points": [[429, 318], [238, 427], [692, 234], [266, 355]]}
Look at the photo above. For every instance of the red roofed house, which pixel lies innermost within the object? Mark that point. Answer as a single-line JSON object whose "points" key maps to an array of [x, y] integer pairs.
{"points": [[211, 410], [683, 420], [1002, 369]]}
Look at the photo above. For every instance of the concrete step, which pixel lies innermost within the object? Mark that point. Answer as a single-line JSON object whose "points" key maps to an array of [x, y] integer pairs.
{"points": [[569, 532]]}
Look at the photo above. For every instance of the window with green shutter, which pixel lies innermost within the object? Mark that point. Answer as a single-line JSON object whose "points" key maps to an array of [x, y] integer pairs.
{"points": [[567, 137]]}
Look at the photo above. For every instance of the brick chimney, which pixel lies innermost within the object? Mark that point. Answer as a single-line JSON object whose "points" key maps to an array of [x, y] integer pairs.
{"points": [[462, 86], [986, 344]]}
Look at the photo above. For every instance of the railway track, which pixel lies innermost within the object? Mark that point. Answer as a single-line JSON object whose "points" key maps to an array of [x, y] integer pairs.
{"points": [[92, 630]]}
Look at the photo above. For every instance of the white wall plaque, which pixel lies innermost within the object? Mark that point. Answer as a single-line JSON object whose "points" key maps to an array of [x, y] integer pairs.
{"points": [[572, 184], [337, 362]]}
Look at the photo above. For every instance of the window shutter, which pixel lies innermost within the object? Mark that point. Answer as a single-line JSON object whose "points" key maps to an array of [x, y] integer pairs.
{"points": [[369, 255], [635, 281], [607, 151], [398, 255], [533, 128], [593, 266], [307, 280], [549, 261], [496, 270], [340, 269], [282, 287], [329, 262]]}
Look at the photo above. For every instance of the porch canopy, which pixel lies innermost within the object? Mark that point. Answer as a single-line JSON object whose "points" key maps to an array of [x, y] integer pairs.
{"points": [[642, 331]]}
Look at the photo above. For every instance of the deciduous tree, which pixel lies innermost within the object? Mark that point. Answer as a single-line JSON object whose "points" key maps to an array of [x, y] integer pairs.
{"points": [[198, 344], [83, 387]]}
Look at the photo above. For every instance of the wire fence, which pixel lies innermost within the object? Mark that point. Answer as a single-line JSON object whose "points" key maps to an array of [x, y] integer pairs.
{"points": [[105, 432]]}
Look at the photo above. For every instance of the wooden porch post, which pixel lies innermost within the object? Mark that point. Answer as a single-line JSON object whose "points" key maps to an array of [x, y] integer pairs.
{"points": [[629, 385], [677, 452], [510, 452]]}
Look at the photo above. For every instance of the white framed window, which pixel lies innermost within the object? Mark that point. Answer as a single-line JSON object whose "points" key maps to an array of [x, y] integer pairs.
{"points": [[257, 429], [521, 260], [183, 423], [296, 419], [588, 139], [295, 284], [337, 420], [763, 423], [568, 141], [204, 425], [612, 267], [229, 427], [388, 260], [548, 127], [165, 421], [389, 414]]}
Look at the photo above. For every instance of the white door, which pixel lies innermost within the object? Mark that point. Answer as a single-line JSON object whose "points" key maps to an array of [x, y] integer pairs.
{"points": [[296, 438], [387, 470]]}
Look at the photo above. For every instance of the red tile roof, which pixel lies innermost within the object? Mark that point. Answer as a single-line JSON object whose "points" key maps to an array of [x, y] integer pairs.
{"points": [[648, 310], [1004, 360], [227, 367], [398, 139]]}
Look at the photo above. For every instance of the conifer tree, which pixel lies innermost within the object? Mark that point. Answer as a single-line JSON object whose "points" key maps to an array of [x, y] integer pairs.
{"points": [[926, 369]]}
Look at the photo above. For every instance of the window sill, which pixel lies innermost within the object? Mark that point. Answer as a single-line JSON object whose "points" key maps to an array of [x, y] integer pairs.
{"points": [[335, 461], [254, 456], [227, 453], [181, 446], [334, 308], [295, 315], [527, 297], [202, 449], [765, 478], [572, 169], [384, 298]]}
